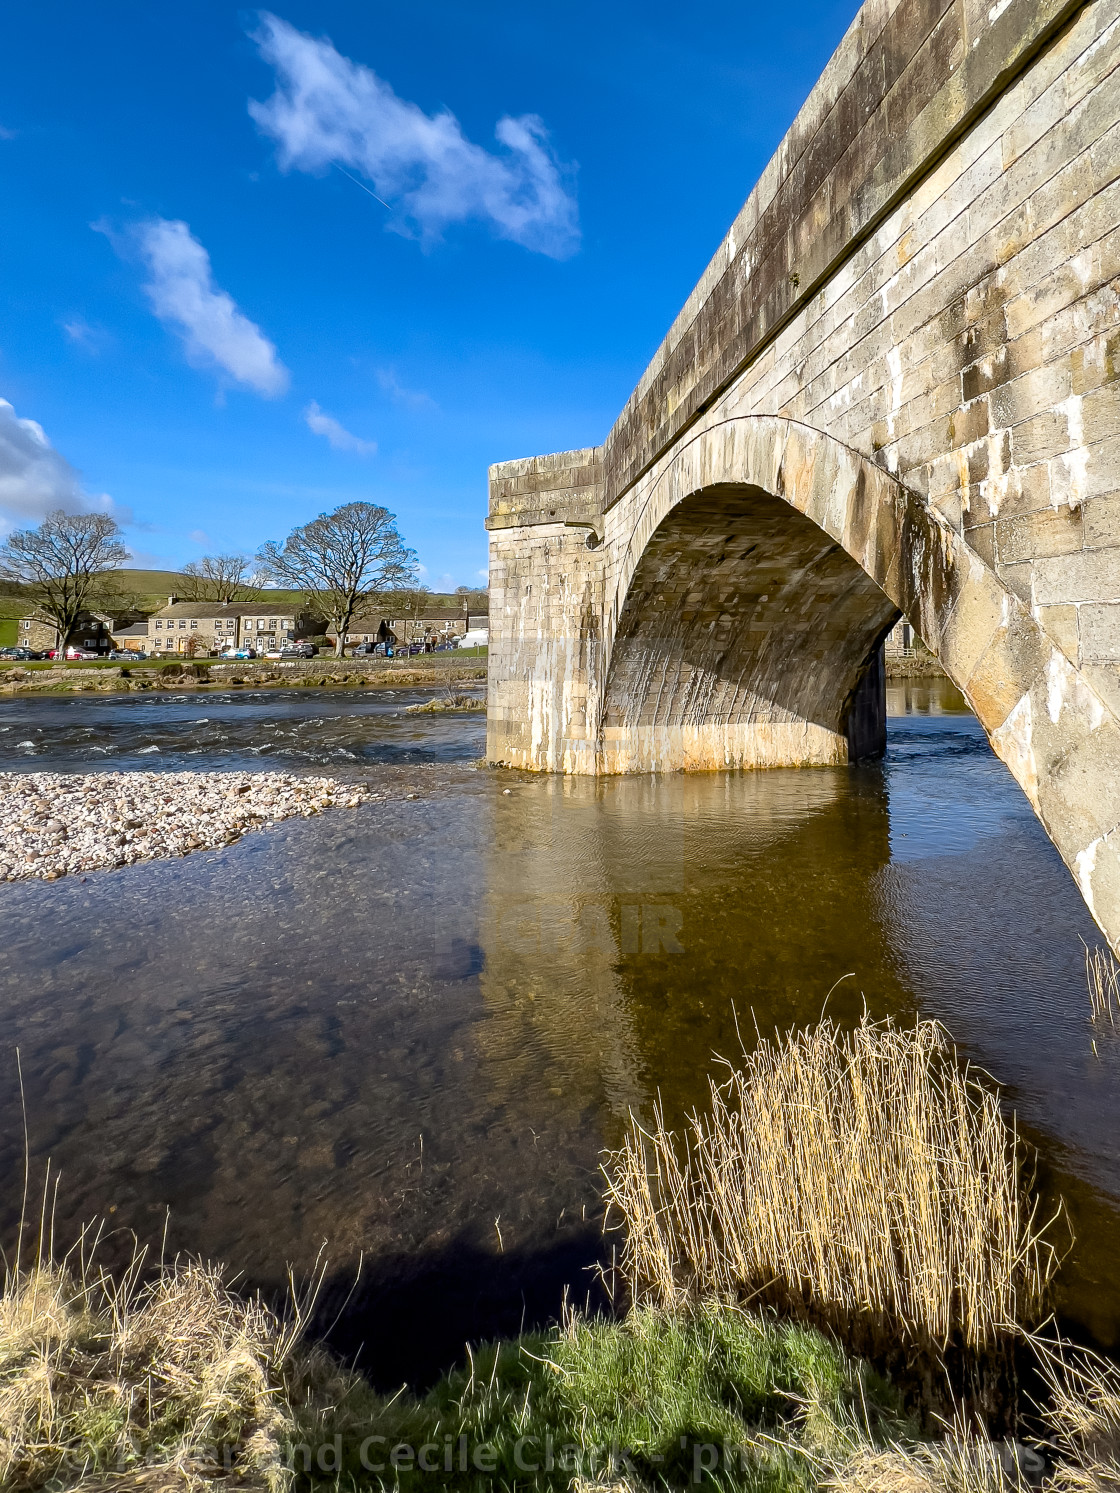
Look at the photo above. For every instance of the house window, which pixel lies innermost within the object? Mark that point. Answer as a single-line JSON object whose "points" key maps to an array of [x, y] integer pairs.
{"points": [[159, 625], [194, 624], [182, 623]]}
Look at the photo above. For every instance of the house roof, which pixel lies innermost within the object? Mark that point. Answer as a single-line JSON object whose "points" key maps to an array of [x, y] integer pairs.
{"points": [[198, 609], [210, 609], [133, 630]]}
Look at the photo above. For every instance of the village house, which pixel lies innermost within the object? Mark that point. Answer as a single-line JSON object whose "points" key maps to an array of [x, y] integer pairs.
{"points": [[95, 632], [440, 622], [216, 626]]}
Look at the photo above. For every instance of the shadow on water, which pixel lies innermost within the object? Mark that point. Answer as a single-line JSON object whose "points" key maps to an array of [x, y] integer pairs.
{"points": [[408, 1322], [408, 1030]]}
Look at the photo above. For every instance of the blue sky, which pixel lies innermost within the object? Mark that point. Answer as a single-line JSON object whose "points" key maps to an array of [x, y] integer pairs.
{"points": [[218, 330]]}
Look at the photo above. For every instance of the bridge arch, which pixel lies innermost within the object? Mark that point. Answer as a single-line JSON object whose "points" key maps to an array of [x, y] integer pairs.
{"points": [[755, 572], [927, 270]]}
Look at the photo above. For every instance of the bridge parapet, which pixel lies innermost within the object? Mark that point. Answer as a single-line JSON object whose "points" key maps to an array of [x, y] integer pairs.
{"points": [[566, 487], [907, 81]]}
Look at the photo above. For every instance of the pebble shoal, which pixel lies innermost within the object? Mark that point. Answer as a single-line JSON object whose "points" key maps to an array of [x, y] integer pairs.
{"points": [[56, 824]]}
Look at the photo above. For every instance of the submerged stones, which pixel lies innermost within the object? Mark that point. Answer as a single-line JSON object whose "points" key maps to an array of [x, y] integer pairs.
{"points": [[55, 824]]}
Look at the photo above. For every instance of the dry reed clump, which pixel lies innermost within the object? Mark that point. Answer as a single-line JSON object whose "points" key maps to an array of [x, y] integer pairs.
{"points": [[1084, 1414], [1102, 974], [959, 1464], [173, 1383], [858, 1176]]}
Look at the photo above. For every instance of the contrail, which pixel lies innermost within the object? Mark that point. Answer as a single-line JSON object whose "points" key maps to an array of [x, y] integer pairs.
{"points": [[363, 186]]}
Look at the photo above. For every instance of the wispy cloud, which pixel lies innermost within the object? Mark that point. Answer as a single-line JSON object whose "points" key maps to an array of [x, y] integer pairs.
{"points": [[90, 339], [35, 478], [328, 111], [335, 432], [183, 294], [200, 536], [7, 134], [413, 399]]}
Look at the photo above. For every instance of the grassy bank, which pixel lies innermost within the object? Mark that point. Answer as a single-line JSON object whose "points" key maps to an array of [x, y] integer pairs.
{"points": [[180, 1383], [842, 1188]]}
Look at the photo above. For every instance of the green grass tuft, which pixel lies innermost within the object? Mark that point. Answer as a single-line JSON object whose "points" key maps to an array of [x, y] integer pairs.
{"points": [[714, 1398]]}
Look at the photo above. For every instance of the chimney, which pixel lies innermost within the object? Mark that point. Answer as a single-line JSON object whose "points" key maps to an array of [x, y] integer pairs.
{"points": [[171, 600]]}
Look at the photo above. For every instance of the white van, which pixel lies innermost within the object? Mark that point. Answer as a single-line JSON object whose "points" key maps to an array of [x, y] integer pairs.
{"points": [[478, 637]]}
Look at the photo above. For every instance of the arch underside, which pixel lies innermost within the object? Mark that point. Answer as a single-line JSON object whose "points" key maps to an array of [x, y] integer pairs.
{"points": [[748, 638]]}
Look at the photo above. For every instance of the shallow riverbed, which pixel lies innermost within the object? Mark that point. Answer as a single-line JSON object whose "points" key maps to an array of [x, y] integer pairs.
{"points": [[407, 1029]]}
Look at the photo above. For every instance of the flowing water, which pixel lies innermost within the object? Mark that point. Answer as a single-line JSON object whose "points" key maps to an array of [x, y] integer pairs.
{"points": [[406, 1031]]}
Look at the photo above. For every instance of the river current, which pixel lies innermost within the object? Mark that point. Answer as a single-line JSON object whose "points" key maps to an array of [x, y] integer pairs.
{"points": [[404, 1033]]}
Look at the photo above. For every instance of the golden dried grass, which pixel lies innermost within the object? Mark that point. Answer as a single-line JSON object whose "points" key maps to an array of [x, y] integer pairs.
{"points": [[863, 1175], [959, 1464], [1084, 1413], [167, 1382], [1102, 974]]}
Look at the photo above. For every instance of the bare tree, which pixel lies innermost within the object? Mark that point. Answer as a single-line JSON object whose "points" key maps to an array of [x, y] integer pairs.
{"points": [[406, 605], [341, 560], [221, 578], [60, 565]]}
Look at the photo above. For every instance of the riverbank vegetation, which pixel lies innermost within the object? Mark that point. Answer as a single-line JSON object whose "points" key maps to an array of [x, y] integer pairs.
{"points": [[866, 1181], [353, 674], [843, 1189]]}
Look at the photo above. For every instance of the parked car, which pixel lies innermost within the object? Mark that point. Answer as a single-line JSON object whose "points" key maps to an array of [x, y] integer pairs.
{"points": [[129, 653], [239, 653], [81, 655], [478, 637], [21, 655], [298, 650]]}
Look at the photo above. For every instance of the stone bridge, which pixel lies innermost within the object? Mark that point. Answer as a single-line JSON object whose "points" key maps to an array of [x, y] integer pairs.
{"points": [[895, 390]]}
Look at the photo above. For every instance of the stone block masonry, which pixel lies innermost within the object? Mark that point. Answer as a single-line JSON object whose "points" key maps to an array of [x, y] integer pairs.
{"points": [[895, 390]]}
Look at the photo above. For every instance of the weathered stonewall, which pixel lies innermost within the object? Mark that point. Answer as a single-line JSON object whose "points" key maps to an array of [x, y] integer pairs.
{"points": [[896, 388]]}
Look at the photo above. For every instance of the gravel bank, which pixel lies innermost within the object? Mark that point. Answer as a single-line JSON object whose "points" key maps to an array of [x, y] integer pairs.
{"points": [[54, 824]]}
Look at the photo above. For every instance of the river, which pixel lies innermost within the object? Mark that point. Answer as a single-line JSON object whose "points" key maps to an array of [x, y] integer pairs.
{"points": [[403, 1033]]}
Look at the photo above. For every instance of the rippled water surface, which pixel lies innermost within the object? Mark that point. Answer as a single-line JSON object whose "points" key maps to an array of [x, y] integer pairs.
{"points": [[230, 729], [408, 1029]]}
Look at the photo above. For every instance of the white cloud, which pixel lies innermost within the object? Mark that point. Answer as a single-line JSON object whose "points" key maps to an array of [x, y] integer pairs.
{"points": [[328, 110], [35, 478], [413, 399], [7, 134], [182, 292], [200, 536], [79, 331], [336, 433]]}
